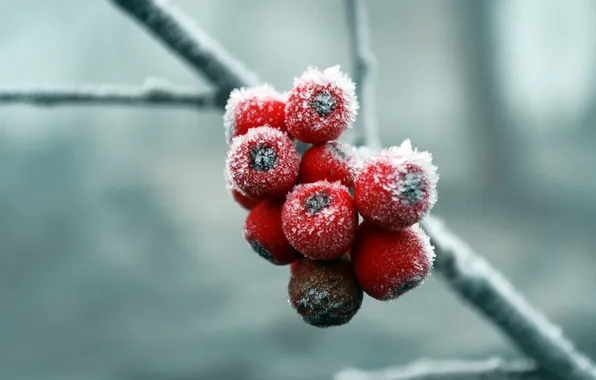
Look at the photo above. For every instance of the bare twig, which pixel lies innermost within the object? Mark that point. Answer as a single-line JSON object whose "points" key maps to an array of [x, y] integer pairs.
{"points": [[490, 369], [475, 280], [179, 32], [152, 92], [366, 130]]}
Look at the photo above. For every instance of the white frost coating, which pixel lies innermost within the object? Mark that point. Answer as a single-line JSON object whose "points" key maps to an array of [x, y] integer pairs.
{"points": [[488, 290], [402, 156], [238, 161], [323, 231], [363, 155], [489, 369], [429, 249], [241, 99], [312, 78], [344, 153]]}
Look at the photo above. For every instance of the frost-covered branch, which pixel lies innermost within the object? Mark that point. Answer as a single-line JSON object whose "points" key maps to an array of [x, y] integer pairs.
{"points": [[152, 92], [179, 32], [364, 66], [475, 280], [490, 369]]}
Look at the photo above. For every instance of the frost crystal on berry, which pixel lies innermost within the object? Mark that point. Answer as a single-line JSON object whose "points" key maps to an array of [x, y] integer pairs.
{"points": [[253, 107], [321, 105], [413, 186], [397, 188], [319, 219], [332, 161], [262, 163]]}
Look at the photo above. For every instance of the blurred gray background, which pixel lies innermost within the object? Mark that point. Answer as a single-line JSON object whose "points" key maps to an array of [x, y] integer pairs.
{"points": [[121, 254]]}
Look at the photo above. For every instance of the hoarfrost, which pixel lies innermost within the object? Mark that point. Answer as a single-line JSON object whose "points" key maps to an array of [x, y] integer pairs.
{"points": [[250, 100]]}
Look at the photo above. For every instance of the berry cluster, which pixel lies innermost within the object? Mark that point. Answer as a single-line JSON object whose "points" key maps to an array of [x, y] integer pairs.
{"points": [[304, 210]]}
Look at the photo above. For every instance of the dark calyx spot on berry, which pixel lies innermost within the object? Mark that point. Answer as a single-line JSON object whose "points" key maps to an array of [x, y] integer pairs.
{"points": [[328, 319], [262, 158], [412, 188], [338, 152], [401, 289], [258, 248], [324, 103], [317, 202]]}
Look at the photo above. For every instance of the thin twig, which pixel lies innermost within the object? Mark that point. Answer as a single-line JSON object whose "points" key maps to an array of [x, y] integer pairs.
{"points": [[476, 281], [179, 32], [152, 92], [365, 64], [490, 369]]}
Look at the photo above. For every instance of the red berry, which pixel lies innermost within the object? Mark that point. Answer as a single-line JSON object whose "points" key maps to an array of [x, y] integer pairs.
{"points": [[246, 202], [262, 231], [321, 106], [324, 293], [331, 161], [320, 220], [293, 266], [262, 163], [397, 188], [253, 107], [389, 263]]}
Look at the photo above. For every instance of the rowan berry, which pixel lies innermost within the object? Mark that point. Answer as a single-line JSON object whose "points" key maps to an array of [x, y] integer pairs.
{"points": [[262, 163], [262, 231], [397, 188], [388, 263], [247, 203], [321, 105], [332, 161], [324, 293], [320, 220], [253, 107]]}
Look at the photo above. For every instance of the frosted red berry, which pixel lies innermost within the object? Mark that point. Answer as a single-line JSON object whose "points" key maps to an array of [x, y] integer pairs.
{"points": [[397, 188], [254, 107], [262, 163], [332, 161], [324, 293], [320, 220], [247, 203], [321, 105], [387, 263], [262, 231]]}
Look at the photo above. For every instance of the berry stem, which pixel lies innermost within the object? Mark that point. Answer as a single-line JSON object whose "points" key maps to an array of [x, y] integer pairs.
{"points": [[149, 93], [365, 71], [483, 287]]}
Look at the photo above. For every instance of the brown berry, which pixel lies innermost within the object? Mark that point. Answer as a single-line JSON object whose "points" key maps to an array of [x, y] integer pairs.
{"points": [[324, 293]]}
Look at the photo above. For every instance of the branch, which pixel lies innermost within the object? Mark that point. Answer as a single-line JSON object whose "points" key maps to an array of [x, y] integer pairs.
{"points": [[366, 130], [152, 92], [476, 281], [490, 369], [179, 33]]}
